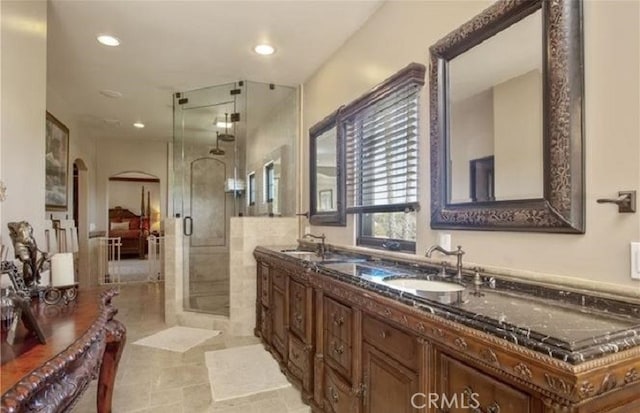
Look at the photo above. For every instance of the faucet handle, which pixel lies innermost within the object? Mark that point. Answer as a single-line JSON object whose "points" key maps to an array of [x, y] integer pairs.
{"points": [[443, 268]]}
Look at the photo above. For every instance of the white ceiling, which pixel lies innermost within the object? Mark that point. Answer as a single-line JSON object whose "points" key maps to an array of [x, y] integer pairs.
{"points": [[172, 46]]}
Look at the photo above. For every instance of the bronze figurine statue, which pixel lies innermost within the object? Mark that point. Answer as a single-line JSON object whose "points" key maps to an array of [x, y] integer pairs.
{"points": [[26, 250]]}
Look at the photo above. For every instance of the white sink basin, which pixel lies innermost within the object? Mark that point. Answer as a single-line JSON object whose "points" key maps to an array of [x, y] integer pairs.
{"points": [[298, 252], [424, 285]]}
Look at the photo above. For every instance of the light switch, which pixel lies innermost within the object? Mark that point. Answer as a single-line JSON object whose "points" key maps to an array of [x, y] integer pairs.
{"points": [[444, 240], [635, 260]]}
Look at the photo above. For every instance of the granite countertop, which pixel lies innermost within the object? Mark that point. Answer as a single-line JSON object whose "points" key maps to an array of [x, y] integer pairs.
{"points": [[570, 326]]}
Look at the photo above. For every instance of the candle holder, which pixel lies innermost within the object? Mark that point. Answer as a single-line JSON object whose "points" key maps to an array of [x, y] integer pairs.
{"points": [[61, 293]]}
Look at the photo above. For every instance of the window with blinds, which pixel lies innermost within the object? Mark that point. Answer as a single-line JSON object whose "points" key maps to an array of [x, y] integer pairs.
{"points": [[382, 154], [381, 150]]}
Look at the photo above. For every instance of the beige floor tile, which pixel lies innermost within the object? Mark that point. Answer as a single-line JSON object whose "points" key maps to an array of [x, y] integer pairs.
{"points": [[196, 397], [157, 381], [180, 376], [170, 408], [292, 398], [130, 398], [166, 397], [275, 405]]}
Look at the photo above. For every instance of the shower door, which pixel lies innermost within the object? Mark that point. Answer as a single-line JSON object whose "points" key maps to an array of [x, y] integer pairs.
{"points": [[206, 162]]}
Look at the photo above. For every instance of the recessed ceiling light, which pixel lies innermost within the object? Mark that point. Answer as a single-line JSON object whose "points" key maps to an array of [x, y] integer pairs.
{"points": [[264, 49], [111, 93], [139, 125], [108, 40]]}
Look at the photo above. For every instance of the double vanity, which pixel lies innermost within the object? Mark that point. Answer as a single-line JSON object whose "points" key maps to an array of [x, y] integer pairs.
{"points": [[361, 333]]}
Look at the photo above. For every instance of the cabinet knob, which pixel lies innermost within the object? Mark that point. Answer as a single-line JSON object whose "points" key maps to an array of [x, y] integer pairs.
{"points": [[493, 408], [384, 334], [338, 349], [334, 395], [339, 321]]}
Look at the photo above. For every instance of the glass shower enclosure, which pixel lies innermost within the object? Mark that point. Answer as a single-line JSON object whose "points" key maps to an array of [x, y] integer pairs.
{"points": [[226, 136]]}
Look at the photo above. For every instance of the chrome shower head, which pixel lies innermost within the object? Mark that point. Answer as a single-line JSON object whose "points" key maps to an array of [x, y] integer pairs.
{"points": [[226, 136], [217, 150]]}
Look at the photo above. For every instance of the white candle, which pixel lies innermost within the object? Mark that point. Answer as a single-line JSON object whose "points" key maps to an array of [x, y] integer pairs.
{"points": [[62, 269]]}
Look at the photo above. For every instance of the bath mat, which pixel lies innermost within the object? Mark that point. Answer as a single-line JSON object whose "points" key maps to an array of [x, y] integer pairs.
{"points": [[243, 371], [178, 339]]}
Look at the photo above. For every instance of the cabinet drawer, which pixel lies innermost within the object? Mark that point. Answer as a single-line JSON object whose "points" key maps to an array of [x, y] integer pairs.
{"points": [[299, 360], [279, 279], [464, 381], [337, 319], [338, 352], [338, 394], [398, 344]]}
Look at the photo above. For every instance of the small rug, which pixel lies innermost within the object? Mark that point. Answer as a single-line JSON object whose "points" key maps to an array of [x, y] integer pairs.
{"points": [[242, 371], [178, 339]]}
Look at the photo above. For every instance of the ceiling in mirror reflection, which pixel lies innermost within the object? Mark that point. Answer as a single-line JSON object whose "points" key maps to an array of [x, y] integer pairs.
{"points": [[510, 53]]}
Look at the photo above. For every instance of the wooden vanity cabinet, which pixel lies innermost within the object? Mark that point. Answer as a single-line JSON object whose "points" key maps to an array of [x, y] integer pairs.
{"points": [[338, 386], [353, 351], [391, 360], [278, 313], [300, 360], [467, 389], [263, 317]]}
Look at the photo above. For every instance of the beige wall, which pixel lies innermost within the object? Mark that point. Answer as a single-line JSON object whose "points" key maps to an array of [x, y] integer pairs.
{"points": [[117, 156], [472, 137], [517, 111], [23, 82], [81, 146], [401, 32]]}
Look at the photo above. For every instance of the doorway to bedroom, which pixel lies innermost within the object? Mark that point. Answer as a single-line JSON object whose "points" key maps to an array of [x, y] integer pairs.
{"points": [[129, 252]]}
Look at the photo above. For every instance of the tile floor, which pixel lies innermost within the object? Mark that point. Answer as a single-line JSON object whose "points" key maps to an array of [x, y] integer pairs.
{"points": [[157, 381]]}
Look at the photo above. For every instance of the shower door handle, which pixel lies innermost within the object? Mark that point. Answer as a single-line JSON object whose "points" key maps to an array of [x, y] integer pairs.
{"points": [[184, 226]]}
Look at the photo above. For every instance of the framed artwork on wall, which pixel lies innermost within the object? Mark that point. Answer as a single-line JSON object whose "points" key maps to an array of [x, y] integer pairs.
{"points": [[56, 164]]}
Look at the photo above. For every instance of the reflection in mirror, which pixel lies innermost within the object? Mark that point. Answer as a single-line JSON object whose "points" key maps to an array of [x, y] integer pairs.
{"points": [[495, 117], [507, 127], [326, 163], [326, 171]]}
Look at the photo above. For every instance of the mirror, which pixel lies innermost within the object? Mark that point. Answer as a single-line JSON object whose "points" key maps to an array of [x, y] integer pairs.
{"points": [[327, 190], [506, 128]]}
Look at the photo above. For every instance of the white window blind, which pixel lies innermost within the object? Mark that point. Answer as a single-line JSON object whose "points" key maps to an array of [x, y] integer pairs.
{"points": [[382, 153]]}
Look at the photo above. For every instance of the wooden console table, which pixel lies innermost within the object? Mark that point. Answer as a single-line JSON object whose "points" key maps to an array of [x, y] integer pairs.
{"points": [[84, 343]]}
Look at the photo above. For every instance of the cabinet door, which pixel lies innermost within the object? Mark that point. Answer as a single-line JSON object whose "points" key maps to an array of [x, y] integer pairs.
{"points": [[278, 321], [338, 395], [465, 389], [299, 310], [389, 386]]}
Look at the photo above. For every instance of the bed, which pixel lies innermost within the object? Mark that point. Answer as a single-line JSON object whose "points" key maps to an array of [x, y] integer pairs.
{"points": [[131, 230]]}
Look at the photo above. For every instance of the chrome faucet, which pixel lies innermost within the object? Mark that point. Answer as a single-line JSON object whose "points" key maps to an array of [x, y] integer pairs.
{"points": [[458, 253], [321, 247]]}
